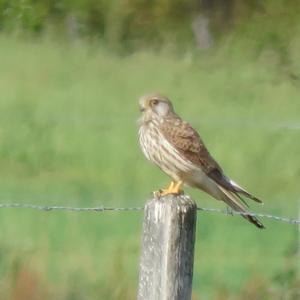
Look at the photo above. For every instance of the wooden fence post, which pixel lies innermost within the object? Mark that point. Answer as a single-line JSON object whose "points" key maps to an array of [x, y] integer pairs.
{"points": [[166, 265]]}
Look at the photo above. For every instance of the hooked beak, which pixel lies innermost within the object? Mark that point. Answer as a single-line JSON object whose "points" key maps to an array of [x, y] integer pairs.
{"points": [[142, 109]]}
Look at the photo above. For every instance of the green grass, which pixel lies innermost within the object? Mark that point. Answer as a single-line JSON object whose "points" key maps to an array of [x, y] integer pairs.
{"points": [[68, 136]]}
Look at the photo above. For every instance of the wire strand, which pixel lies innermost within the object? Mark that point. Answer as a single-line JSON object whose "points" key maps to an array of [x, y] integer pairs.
{"points": [[227, 211]]}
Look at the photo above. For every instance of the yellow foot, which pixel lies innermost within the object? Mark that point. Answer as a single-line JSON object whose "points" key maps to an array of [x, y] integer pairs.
{"points": [[173, 189]]}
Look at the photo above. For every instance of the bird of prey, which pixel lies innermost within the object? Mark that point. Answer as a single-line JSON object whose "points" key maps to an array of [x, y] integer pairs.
{"points": [[178, 150]]}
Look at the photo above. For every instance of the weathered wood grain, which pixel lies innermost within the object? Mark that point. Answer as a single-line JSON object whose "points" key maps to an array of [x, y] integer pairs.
{"points": [[166, 265]]}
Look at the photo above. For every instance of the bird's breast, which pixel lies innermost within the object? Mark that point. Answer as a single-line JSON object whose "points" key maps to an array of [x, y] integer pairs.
{"points": [[160, 151]]}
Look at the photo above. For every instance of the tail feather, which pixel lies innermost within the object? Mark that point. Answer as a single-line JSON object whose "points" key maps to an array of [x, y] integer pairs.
{"points": [[233, 200], [242, 191], [222, 180]]}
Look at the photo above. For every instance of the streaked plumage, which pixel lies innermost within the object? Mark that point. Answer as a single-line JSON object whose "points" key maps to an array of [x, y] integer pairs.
{"points": [[177, 149]]}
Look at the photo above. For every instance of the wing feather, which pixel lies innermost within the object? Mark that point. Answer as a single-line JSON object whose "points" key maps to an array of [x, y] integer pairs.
{"points": [[188, 142]]}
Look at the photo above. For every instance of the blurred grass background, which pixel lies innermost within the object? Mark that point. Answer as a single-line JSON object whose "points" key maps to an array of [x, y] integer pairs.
{"points": [[68, 136]]}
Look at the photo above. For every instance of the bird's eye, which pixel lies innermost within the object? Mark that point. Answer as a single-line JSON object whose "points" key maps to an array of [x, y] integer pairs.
{"points": [[154, 102]]}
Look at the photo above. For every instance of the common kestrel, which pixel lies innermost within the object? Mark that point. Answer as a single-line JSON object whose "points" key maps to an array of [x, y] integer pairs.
{"points": [[178, 150]]}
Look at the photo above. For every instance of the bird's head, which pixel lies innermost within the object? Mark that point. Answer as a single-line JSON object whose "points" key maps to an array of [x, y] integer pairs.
{"points": [[155, 106]]}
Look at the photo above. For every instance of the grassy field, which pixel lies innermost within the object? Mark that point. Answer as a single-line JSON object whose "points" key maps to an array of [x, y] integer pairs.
{"points": [[68, 136]]}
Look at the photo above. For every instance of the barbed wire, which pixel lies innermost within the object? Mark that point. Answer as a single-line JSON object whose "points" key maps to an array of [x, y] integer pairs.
{"points": [[231, 212], [228, 211], [68, 208]]}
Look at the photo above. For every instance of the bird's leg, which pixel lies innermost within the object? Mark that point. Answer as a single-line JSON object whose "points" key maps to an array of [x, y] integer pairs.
{"points": [[167, 190], [163, 192], [173, 188], [177, 188]]}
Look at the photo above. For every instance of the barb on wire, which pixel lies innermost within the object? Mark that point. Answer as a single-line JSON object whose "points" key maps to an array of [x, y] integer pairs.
{"points": [[103, 209]]}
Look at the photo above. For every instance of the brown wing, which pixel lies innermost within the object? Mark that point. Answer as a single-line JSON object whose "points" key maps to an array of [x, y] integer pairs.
{"points": [[188, 142]]}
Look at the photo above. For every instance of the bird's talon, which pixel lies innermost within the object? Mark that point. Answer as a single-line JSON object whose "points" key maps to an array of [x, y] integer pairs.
{"points": [[157, 194], [173, 189]]}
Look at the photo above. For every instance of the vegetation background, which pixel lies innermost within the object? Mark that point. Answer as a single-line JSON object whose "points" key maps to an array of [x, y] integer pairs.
{"points": [[70, 76]]}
